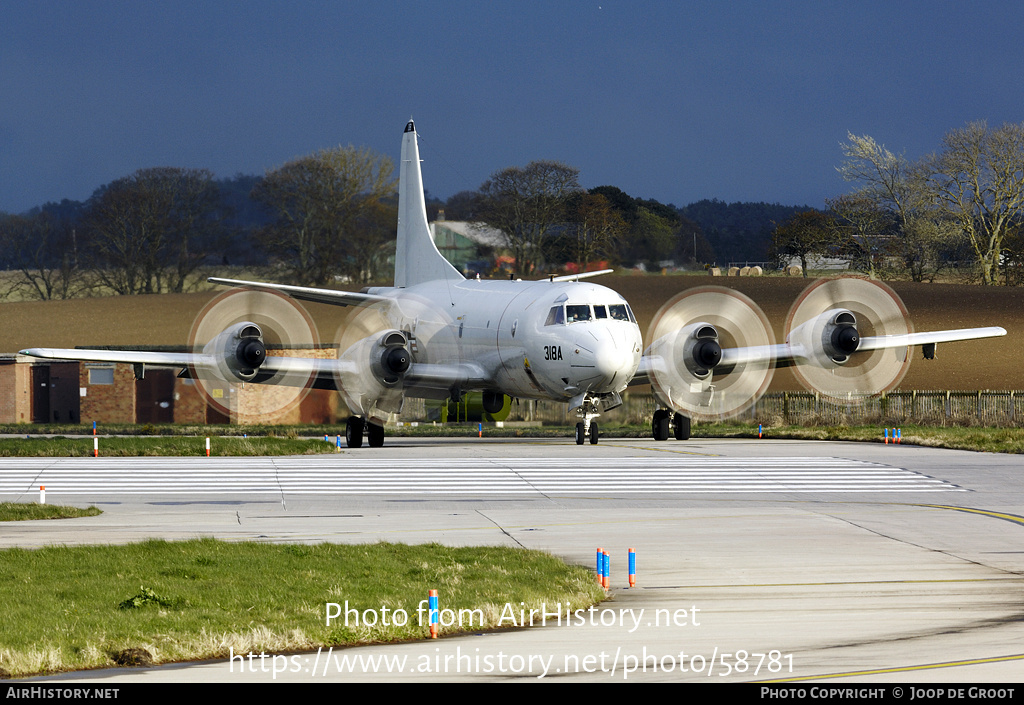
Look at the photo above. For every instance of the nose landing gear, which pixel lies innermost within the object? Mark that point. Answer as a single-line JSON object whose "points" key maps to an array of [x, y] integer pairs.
{"points": [[587, 428]]}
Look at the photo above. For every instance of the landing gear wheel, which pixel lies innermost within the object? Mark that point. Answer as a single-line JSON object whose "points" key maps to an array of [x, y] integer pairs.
{"points": [[593, 434], [681, 427], [581, 435], [659, 426], [375, 435], [354, 432]]}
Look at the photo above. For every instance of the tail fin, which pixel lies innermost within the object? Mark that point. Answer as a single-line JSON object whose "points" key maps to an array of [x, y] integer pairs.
{"points": [[417, 258]]}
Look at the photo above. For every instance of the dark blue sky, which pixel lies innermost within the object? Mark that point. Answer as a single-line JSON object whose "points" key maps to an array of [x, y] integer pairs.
{"points": [[675, 101]]}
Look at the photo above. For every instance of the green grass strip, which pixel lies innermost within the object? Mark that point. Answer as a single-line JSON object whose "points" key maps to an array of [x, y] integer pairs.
{"points": [[76, 607], [20, 511], [178, 446]]}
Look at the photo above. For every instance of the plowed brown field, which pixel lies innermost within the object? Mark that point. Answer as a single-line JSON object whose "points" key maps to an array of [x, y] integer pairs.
{"points": [[167, 319]]}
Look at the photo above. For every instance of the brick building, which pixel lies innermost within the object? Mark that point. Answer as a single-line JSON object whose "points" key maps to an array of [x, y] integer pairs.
{"points": [[52, 391]]}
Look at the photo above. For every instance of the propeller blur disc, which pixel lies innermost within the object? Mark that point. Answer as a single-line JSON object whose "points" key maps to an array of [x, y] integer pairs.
{"points": [[740, 324], [879, 312], [433, 337], [288, 331]]}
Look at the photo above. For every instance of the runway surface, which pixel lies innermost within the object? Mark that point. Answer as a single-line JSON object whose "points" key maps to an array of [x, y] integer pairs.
{"points": [[808, 560]]}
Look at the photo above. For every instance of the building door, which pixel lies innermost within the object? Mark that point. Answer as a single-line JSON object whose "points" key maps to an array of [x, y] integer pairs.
{"points": [[40, 394], [154, 397]]}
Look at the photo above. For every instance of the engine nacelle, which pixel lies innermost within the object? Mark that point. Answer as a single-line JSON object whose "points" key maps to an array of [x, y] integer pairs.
{"points": [[688, 356], [390, 358], [827, 340], [239, 351], [374, 377]]}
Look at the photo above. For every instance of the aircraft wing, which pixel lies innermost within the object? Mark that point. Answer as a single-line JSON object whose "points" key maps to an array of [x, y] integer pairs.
{"points": [[318, 373], [131, 357], [787, 355], [305, 293]]}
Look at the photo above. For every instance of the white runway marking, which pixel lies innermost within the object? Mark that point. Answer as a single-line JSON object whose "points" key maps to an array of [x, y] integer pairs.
{"points": [[453, 476]]}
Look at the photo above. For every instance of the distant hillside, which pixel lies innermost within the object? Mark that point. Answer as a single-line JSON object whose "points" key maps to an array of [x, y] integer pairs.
{"points": [[739, 231]]}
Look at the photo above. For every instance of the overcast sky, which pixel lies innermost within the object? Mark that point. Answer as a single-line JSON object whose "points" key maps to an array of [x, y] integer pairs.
{"points": [[677, 101]]}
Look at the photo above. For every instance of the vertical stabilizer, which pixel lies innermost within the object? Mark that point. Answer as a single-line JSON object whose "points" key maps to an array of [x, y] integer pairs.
{"points": [[417, 259]]}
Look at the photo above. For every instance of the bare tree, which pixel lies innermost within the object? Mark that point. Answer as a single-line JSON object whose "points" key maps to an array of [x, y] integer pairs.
{"points": [[42, 249], [594, 230], [527, 203], [862, 231], [319, 201], [918, 230], [979, 180], [151, 230], [802, 236]]}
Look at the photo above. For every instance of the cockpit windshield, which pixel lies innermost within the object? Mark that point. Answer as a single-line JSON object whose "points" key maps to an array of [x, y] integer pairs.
{"points": [[577, 312], [573, 313]]}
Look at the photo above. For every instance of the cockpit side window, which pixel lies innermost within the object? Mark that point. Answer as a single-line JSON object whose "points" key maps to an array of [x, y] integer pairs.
{"points": [[556, 316], [577, 312]]}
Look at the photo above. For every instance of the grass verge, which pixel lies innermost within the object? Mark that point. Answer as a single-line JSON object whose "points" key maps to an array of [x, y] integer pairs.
{"points": [[78, 607], [22, 511], [285, 440], [126, 446], [976, 438]]}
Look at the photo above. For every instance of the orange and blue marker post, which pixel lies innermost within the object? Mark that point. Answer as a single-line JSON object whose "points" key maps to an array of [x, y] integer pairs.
{"points": [[432, 605], [607, 571], [632, 568]]}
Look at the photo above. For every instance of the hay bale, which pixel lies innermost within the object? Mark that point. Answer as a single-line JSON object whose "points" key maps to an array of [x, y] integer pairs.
{"points": [[756, 271], [745, 272], [734, 271], [715, 271]]}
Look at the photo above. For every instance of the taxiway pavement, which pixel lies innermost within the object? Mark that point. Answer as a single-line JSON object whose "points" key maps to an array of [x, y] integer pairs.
{"points": [[768, 559]]}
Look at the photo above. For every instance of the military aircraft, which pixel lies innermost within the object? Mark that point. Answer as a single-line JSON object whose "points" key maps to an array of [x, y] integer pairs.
{"points": [[438, 335]]}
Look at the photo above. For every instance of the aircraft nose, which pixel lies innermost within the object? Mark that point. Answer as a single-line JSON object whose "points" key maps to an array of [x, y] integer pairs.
{"points": [[611, 361]]}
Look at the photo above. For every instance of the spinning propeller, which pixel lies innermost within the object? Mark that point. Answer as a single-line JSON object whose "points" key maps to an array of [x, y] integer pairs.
{"points": [[248, 331], [379, 345], [694, 368], [835, 329]]}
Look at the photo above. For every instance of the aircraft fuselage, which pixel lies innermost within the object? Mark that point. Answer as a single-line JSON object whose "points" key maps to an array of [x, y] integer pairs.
{"points": [[529, 339]]}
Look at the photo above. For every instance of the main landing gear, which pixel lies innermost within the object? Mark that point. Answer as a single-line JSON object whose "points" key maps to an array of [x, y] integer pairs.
{"points": [[354, 429], [664, 419]]}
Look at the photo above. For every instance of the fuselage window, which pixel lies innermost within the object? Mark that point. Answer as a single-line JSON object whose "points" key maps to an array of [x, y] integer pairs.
{"points": [[556, 316], [618, 312], [600, 312], [577, 312]]}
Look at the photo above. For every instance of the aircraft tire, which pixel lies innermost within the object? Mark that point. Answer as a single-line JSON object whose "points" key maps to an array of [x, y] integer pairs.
{"points": [[660, 424], [593, 434], [354, 432], [580, 434], [681, 427], [375, 435]]}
